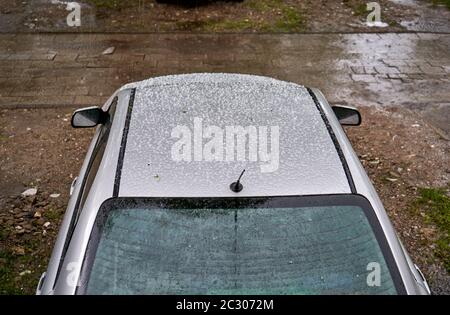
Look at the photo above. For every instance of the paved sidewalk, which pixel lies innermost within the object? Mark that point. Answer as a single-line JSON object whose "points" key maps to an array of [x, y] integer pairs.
{"points": [[412, 70]]}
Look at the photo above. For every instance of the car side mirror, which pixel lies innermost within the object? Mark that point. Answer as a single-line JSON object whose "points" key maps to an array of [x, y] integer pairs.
{"points": [[347, 115], [88, 117]]}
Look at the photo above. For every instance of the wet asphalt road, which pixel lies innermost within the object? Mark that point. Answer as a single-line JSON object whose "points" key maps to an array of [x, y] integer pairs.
{"points": [[409, 70]]}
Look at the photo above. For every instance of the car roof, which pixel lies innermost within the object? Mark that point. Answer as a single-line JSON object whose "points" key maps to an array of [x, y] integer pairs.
{"points": [[308, 159]]}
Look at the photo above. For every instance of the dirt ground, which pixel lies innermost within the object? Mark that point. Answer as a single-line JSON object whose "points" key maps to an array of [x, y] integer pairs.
{"points": [[38, 148], [224, 16]]}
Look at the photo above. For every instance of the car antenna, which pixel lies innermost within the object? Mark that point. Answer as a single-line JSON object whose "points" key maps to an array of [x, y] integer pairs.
{"points": [[237, 186]]}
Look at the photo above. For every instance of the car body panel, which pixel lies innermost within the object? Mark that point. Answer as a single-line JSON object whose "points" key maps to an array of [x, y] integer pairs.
{"points": [[138, 179]]}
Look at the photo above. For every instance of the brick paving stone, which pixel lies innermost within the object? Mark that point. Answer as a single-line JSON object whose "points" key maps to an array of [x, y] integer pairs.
{"points": [[368, 78], [432, 70], [358, 70], [19, 56], [370, 70], [38, 56], [386, 70], [89, 100], [394, 62], [65, 57], [409, 69], [73, 90]]}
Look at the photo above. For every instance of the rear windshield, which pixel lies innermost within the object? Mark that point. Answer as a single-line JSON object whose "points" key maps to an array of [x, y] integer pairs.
{"points": [[240, 246]]}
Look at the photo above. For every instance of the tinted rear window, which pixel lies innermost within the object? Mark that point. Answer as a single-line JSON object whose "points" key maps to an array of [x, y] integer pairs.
{"points": [[255, 248]]}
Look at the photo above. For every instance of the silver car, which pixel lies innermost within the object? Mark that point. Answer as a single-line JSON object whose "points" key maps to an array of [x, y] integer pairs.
{"points": [[224, 184]]}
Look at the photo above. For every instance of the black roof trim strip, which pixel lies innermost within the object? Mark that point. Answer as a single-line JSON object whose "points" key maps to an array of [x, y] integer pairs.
{"points": [[335, 141], [123, 144]]}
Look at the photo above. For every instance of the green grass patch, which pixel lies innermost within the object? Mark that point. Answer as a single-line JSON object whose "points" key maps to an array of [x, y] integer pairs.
{"points": [[291, 20], [191, 25], [8, 281], [263, 6], [12, 282], [276, 16], [444, 2], [230, 25], [436, 205], [358, 7], [53, 215], [20, 273], [113, 4], [3, 137]]}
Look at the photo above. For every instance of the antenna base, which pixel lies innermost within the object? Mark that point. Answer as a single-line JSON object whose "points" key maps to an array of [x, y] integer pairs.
{"points": [[236, 187]]}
